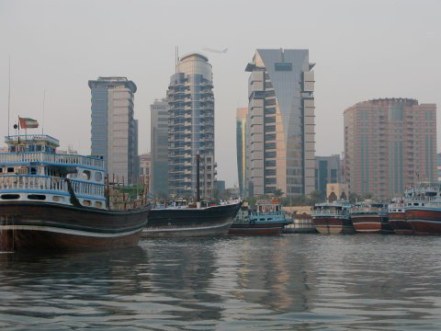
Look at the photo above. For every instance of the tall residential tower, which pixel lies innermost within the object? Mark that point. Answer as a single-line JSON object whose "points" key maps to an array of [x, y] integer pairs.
{"points": [[280, 123], [241, 120], [191, 127], [114, 130], [159, 148], [390, 144]]}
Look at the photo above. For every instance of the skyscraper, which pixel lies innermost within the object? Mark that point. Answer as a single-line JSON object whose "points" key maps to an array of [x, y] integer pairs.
{"points": [[280, 123], [191, 127], [114, 129], [241, 120], [390, 144], [159, 147], [327, 171]]}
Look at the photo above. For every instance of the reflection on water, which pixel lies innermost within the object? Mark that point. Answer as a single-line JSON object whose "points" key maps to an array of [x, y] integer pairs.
{"points": [[306, 282]]}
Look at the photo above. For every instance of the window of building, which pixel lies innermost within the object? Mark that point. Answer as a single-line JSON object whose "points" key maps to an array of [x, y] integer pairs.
{"points": [[283, 66]]}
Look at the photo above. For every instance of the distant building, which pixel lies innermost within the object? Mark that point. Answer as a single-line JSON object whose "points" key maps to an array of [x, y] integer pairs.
{"points": [[390, 144], [144, 168], [220, 187], [327, 170], [280, 123], [114, 132], [337, 191], [241, 120], [159, 147], [191, 127], [438, 166]]}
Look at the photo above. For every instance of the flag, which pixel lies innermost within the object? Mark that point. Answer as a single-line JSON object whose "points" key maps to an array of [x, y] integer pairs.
{"points": [[27, 123]]}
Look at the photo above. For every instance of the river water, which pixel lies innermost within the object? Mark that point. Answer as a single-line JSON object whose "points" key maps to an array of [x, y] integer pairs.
{"points": [[292, 282]]}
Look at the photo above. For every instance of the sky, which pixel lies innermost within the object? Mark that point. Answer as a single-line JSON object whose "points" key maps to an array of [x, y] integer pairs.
{"points": [[362, 49]]}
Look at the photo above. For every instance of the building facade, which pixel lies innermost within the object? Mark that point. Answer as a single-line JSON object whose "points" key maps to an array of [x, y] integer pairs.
{"points": [[114, 131], [327, 170], [280, 123], [145, 164], [241, 120], [159, 148], [390, 144], [191, 128]]}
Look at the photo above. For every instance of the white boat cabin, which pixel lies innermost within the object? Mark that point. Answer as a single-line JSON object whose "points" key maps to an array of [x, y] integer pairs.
{"points": [[32, 170]]}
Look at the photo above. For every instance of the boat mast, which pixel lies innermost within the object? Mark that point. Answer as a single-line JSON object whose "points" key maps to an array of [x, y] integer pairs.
{"points": [[9, 95], [198, 191]]}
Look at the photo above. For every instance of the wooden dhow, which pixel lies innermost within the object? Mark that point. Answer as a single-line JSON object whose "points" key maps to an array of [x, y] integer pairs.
{"points": [[58, 201], [333, 217], [370, 217], [396, 214], [423, 208], [267, 218], [191, 220]]}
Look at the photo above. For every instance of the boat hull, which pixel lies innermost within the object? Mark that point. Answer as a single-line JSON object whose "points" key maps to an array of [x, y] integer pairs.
{"points": [[399, 224], [250, 229], [424, 221], [370, 224], [333, 225], [29, 225], [190, 222]]}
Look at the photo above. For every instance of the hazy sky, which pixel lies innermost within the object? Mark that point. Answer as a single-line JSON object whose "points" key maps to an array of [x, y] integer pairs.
{"points": [[362, 50]]}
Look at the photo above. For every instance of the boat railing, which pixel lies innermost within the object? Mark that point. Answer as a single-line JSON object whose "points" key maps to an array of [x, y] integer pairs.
{"points": [[327, 212], [73, 159], [47, 183]]}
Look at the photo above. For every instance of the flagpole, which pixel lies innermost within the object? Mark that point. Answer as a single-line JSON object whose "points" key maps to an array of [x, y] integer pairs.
{"points": [[42, 124], [9, 95]]}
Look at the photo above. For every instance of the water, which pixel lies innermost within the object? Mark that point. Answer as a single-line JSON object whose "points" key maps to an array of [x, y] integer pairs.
{"points": [[293, 282]]}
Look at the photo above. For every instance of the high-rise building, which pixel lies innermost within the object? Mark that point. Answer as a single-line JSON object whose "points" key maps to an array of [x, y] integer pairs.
{"points": [[390, 144], [241, 120], [114, 129], [191, 127], [145, 164], [159, 148], [438, 166], [280, 123], [327, 170]]}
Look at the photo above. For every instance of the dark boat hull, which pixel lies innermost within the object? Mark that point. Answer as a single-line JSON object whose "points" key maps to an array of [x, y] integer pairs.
{"points": [[29, 225], [190, 222], [370, 224], [250, 229], [333, 225], [424, 221], [399, 224]]}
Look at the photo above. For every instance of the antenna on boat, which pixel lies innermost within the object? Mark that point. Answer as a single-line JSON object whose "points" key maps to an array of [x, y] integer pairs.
{"points": [[198, 190], [176, 58], [9, 95], [44, 99]]}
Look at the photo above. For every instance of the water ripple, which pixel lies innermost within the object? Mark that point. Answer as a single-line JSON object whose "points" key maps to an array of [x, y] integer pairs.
{"points": [[305, 282]]}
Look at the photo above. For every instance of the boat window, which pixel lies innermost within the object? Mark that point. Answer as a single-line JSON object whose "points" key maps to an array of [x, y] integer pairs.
{"points": [[10, 196], [87, 174], [98, 204], [416, 204], [10, 169], [57, 198], [36, 197], [33, 171], [87, 202], [98, 176], [1, 170]]}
